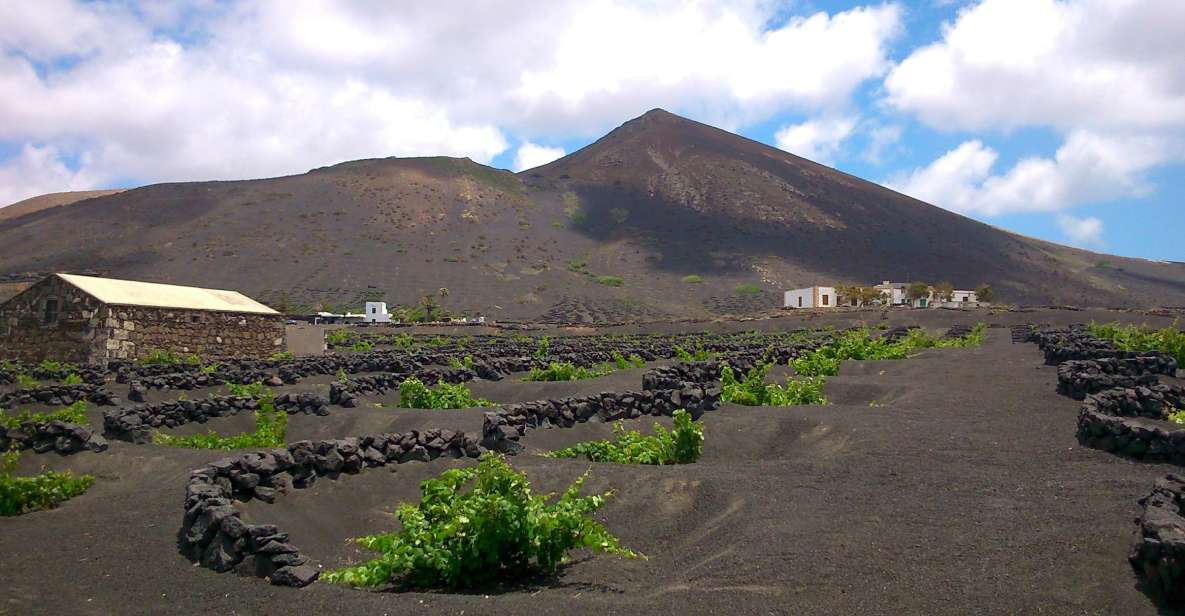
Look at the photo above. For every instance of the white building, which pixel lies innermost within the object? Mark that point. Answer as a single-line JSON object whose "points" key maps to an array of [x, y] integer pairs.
{"points": [[811, 297], [960, 297], [376, 312], [894, 292]]}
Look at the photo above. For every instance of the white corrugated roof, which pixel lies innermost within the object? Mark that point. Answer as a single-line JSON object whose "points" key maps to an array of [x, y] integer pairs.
{"points": [[132, 293]]}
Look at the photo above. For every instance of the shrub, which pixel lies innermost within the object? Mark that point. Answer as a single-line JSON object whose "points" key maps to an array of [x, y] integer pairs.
{"points": [[160, 357], [72, 379], [283, 356], [543, 348], [700, 354], [341, 375], [1175, 415], [254, 390], [403, 341], [459, 363], [1142, 339], [338, 337], [24, 494], [610, 281], [683, 445], [752, 391], [746, 288], [73, 414], [480, 525], [47, 365], [24, 381], [799, 391], [693, 279], [414, 394], [565, 371], [361, 346], [626, 363], [271, 425]]}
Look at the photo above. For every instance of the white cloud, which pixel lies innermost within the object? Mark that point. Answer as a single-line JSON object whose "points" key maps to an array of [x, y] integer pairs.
{"points": [[818, 139], [1087, 168], [207, 90], [880, 139], [1073, 64], [1083, 232], [37, 170], [530, 155]]}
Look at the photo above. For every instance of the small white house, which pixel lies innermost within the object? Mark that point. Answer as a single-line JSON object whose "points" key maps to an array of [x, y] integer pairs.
{"points": [[811, 297], [894, 291], [376, 312], [960, 297]]}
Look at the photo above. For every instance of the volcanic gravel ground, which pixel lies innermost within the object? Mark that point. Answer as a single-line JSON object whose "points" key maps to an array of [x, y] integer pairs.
{"points": [[961, 491]]}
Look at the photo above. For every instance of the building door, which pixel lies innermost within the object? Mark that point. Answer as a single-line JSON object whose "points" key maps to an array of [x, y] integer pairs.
{"points": [[800, 301], [825, 299]]}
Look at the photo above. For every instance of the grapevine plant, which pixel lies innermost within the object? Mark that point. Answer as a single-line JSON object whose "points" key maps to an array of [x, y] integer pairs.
{"points": [[1141, 338], [479, 526], [567, 371], [73, 414], [752, 390], [271, 426], [683, 445], [24, 494], [414, 394]]}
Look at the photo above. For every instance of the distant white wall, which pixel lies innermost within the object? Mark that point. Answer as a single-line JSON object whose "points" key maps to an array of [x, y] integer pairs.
{"points": [[810, 297], [800, 298], [376, 312]]}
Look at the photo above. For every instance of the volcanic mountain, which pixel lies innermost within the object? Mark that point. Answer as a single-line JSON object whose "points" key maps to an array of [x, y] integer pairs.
{"points": [[662, 217]]}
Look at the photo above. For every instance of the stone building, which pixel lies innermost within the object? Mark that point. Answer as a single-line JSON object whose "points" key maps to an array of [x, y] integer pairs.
{"points": [[84, 319]]}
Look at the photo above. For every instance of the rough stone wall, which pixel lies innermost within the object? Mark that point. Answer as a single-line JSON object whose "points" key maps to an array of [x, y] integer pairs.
{"points": [[72, 337], [135, 332]]}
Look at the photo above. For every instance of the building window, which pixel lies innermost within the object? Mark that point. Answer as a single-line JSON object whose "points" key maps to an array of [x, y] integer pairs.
{"points": [[824, 299], [51, 312], [194, 318]]}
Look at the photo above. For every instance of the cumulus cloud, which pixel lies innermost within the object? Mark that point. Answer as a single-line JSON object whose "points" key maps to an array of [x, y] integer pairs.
{"points": [[818, 139], [1087, 168], [201, 90], [1082, 232], [530, 155], [1071, 64], [37, 170]]}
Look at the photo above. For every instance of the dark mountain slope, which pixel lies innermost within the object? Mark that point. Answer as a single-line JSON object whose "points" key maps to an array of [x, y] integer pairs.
{"points": [[718, 203], [656, 200]]}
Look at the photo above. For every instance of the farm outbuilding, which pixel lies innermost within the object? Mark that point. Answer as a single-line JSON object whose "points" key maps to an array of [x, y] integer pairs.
{"points": [[85, 319]]}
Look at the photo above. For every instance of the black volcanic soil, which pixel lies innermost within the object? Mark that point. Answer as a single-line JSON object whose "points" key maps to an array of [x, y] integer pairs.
{"points": [[962, 491]]}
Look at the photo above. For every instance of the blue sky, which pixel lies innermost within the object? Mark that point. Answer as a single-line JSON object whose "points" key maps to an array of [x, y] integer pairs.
{"points": [[1058, 119]]}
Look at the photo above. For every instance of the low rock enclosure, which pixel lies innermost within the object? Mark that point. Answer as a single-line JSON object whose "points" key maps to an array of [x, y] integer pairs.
{"points": [[54, 436], [1126, 411], [58, 395], [213, 533], [136, 423]]}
